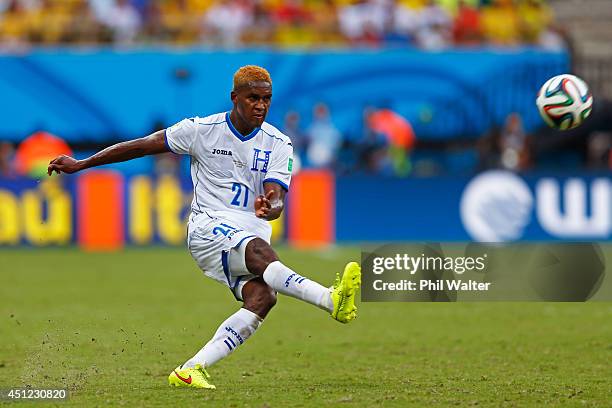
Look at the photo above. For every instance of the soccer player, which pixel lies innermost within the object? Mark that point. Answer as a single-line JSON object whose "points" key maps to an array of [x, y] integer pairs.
{"points": [[241, 171]]}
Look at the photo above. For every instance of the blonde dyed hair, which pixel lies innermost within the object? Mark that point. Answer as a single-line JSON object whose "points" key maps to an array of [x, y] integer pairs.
{"points": [[248, 74]]}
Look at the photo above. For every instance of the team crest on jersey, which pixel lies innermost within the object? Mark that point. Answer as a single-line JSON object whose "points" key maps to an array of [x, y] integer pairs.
{"points": [[261, 158]]}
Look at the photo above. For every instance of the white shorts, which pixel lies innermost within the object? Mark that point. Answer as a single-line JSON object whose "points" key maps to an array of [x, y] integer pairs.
{"points": [[218, 247]]}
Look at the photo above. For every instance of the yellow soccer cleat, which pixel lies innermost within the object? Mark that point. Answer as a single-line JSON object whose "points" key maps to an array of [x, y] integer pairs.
{"points": [[196, 377], [344, 291]]}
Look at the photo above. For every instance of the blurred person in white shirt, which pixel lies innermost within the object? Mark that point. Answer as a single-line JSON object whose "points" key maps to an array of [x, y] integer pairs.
{"points": [[323, 137], [359, 20], [406, 20], [435, 27], [121, 17], [225, 22]]}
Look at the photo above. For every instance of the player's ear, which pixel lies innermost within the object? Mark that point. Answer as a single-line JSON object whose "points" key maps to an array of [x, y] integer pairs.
{"points": [[233, 96]]}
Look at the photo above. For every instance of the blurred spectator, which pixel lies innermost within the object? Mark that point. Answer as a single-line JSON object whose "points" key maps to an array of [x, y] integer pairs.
{"points": [[34, 153], [373, 149], [466, 28], [291, 128], [435, 27], [500, 23], [181, 21], [262, 26], [514, 146], [14, 24], [406, 21], [293, 25], [323, 138], [363, 23], [152, 22], [101, 8], [85, 27], [6, 159], [535, 18], [124, 21], [291, 12], [324, 18], [52, 20], [396, 128], [226, 21], [553, 39], [352, 19], [400, 136]]}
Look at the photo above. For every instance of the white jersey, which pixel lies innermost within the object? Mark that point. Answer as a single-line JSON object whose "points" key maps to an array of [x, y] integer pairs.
{"points": [[228, 169]]}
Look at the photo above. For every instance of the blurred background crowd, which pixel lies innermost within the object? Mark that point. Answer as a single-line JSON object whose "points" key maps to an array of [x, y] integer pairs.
{"points": [[427, 24], [384, 141]]}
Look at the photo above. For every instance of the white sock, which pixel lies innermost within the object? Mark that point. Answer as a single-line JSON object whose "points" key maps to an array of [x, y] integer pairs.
{"points": [[287, 282], [232, 333]]}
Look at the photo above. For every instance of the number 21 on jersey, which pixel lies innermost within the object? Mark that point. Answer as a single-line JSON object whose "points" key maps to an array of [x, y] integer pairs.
{"points": [[237, 188]]}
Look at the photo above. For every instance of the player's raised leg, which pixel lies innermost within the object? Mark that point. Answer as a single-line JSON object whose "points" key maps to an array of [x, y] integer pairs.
{"points": [[339, 301]]}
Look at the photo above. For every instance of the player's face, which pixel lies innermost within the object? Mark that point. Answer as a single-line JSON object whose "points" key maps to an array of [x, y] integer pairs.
{"points": [[252, 103]]}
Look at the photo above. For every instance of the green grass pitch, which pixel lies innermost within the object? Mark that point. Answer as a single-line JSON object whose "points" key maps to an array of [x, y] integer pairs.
{"points": [[111, 327]]}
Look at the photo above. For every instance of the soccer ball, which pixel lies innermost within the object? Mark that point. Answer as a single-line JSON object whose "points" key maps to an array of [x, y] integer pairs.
{"points": [[564, 102]]}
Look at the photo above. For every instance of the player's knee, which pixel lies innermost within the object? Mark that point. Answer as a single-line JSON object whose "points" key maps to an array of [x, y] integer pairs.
{"points": [[269, 299], [258, 255], [262, 301]]}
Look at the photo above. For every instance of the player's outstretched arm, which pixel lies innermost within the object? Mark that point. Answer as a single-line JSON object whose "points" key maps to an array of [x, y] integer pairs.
{"points": [[152, 144], [270, 206]]}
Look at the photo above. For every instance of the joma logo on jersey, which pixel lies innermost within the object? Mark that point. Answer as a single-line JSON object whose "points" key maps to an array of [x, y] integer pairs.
{"points": [[222, 152], [261, 158]]}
